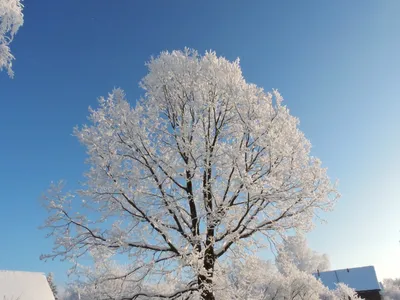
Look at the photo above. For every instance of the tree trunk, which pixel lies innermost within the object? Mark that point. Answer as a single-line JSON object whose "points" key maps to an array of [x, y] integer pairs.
{"points": [[206, 282], [207, 295]]}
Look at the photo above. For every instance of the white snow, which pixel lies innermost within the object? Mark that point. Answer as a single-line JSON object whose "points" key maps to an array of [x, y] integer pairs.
{"points": [[18, 285], [360, 279]]}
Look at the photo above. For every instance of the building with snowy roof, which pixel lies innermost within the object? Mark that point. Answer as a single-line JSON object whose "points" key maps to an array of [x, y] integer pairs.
{"points": [[24, 286], [363, 280]]}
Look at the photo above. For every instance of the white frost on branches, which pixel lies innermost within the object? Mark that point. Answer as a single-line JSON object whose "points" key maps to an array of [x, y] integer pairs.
{"points": [[391, 289], [11, 19], [53, 287], [189, 174], [255, 279], [296, 250], [248, 279], [343, 292]]}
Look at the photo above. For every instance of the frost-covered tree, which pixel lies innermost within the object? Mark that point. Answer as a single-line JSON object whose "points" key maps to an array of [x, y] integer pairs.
{"points": [[70, 293], [243, 279], [255, 279], [296, 250], [343, 292], [50, 280], [391, 289], [11, 19], [188, 175]]}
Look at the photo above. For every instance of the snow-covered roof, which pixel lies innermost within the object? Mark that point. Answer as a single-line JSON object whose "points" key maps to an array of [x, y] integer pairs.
{"points": [[17, 285], [360, 279]]}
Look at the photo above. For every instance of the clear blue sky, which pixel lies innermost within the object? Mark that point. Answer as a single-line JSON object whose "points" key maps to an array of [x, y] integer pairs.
{"points": [[337, 63]]}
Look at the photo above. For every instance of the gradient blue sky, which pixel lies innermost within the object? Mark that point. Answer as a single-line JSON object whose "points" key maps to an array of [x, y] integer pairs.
{"points": [[337, 64]]}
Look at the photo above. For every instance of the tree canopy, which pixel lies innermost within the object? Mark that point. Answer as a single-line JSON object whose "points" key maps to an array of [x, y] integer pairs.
{"points": [[186, 177]]}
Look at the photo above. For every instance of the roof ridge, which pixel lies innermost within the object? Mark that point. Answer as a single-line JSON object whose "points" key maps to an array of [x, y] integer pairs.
{"points": [[17, 271]]}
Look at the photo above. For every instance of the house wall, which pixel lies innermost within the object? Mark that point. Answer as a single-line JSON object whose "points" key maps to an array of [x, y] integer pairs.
{"points": [[370, 295]]}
